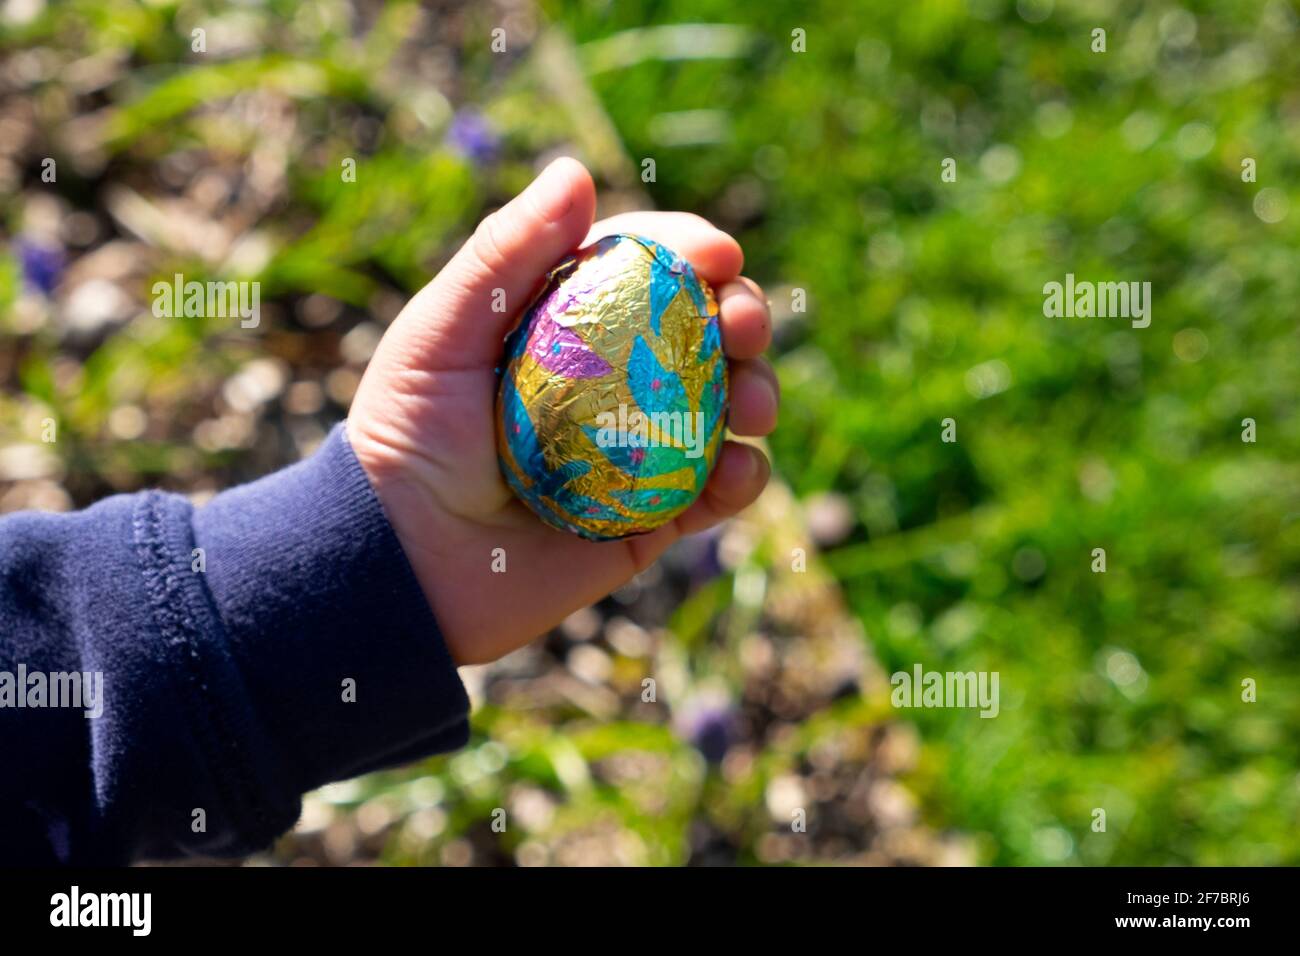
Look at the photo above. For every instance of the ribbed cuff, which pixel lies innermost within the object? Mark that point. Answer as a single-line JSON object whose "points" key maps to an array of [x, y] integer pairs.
{"points": [[343, 661]]}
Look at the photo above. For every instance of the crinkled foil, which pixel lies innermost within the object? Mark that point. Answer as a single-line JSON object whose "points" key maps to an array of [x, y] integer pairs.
{"points": [[613, 394]]}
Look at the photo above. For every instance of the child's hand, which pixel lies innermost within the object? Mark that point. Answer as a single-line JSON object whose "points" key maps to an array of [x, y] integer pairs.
{"points": [[422, 424]]}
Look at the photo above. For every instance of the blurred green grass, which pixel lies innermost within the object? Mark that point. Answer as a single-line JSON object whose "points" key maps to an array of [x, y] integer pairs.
{"points": [[1097, 435], [1120, 690]]}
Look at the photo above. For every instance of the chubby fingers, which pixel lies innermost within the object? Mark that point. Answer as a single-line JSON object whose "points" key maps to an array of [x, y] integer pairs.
{"points": [[755, 397], [745, 318], [737, 479], [746, 322], [715, 256]]}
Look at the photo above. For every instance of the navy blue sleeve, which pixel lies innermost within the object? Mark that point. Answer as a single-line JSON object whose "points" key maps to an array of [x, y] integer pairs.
{"points": [[172, 680]]}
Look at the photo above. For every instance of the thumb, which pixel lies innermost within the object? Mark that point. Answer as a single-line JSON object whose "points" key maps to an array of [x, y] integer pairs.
{"points": [[463, 314]]}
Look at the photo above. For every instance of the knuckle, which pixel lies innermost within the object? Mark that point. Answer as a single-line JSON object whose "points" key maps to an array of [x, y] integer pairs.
{"points": [[489, 245]]}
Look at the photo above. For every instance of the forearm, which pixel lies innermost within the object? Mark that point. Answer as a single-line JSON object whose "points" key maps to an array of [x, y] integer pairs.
{"points": [[251, 650]]}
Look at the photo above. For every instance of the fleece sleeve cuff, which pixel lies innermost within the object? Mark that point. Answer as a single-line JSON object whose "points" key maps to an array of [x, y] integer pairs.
{"points": [[338, 653]]}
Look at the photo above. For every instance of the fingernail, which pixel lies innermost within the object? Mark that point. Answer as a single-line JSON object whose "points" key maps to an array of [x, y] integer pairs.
{"points": [[550, 192]]}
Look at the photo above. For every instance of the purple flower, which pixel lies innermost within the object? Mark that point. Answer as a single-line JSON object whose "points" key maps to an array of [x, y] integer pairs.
{"points": [[707, 562], [42, 264], [708, 721], [473, 137], [696, 557]]}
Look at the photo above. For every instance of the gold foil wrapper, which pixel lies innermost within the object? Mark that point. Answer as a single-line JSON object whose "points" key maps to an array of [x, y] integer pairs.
{"points": [[612, 401]]}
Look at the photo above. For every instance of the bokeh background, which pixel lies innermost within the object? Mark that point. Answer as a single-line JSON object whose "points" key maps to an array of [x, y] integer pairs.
{"points": [[1120, 691]]}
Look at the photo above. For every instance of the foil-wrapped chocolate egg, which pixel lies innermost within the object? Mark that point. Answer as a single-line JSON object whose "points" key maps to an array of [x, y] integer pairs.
{"points": [[613, 392]]}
